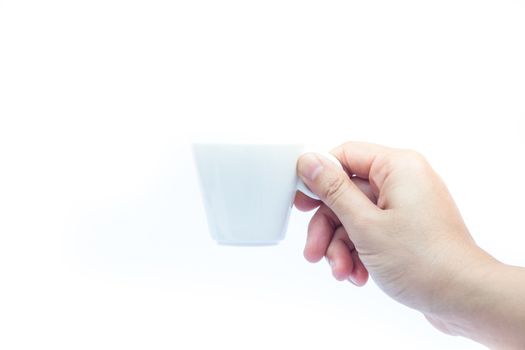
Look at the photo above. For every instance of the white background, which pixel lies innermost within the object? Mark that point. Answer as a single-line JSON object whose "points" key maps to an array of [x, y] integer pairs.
{"points": [[103, 239]]}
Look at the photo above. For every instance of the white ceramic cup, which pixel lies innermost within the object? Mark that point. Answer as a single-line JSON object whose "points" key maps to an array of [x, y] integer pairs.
{"points": [[248, 190]]}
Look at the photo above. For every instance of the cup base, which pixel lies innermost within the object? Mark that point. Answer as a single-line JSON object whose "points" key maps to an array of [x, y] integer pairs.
{"points": [[247, 244]]}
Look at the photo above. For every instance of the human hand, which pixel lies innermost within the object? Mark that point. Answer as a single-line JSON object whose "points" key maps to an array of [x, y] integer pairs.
{"points": [[391, 216]]}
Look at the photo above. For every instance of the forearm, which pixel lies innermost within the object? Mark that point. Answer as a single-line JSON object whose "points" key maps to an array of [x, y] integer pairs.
{"points": [[488, 305]]}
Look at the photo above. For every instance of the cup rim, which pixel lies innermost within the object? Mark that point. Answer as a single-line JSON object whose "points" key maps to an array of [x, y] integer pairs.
{"points": [[238, 143]]}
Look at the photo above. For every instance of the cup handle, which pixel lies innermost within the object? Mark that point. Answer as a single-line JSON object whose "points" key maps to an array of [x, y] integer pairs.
{"points": [[304, 189]]}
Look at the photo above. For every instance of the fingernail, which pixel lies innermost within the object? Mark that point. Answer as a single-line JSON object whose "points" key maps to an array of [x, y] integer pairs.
{"points": [[310, 166], [351, 280], [331, 262]]}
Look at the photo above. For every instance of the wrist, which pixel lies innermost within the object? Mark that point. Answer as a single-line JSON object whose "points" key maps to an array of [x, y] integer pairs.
{"points": [[484, 302]]}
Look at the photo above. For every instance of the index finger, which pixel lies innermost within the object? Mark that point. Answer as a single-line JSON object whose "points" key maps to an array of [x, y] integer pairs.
{"points": [[305, 203], [358, 157]]}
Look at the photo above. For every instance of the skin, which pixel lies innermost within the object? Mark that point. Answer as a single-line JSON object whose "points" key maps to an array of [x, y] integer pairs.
{"points": [[389, 216]]}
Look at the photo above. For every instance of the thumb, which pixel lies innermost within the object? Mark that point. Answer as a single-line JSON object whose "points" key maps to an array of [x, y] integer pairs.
{"points": [[333, 186]]}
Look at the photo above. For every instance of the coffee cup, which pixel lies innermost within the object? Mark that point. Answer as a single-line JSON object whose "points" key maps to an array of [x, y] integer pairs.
{"points": [[248, 190]]}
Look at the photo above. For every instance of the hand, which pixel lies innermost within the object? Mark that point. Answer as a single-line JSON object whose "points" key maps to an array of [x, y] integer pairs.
{"points": [[391, 216]]}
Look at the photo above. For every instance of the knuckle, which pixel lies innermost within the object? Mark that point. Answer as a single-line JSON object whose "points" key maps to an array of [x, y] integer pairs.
{"points": [[413, 160], [415, 155], [335, 187]]}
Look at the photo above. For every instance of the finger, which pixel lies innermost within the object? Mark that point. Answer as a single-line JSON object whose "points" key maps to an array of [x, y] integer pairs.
{"points": [[359, 275], [358, 157], [339, 256], [365, 160], [320, 232], [305, 203], [334, 187], [366, 188]]}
